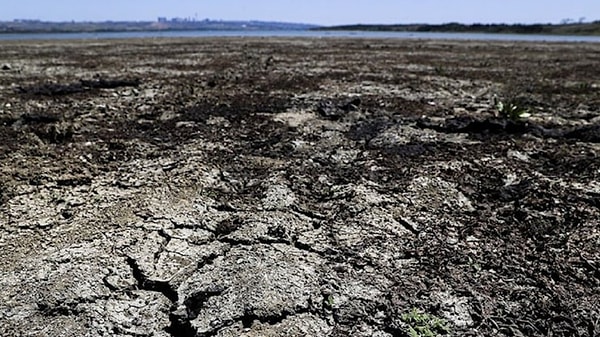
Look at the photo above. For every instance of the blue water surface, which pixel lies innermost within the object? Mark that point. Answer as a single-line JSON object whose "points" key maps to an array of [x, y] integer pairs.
{"points": [[301, 33]]}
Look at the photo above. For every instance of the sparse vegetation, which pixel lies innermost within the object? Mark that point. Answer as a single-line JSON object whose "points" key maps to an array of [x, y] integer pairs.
{"points": [[422, 324], [330, 301], [511, 109], [584, 87], [440, 70]]}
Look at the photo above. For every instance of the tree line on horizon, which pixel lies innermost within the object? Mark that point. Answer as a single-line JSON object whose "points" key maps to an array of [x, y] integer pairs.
{"points": [[592, 28]]}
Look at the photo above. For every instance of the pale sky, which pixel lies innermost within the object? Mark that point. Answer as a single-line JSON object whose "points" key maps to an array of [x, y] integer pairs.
{"points": [[324, 12]]}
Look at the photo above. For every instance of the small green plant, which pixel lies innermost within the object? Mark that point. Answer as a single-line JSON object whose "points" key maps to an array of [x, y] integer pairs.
{"points": [[330, 301], [511, 109], [584, 87], [440, 70], [421, 324]]}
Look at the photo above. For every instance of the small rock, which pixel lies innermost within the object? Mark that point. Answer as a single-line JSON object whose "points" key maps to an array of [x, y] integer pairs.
{"points": [[185, 124], [471, 238], [329, 110], [333, 111], [6, 66], [518, 155]]}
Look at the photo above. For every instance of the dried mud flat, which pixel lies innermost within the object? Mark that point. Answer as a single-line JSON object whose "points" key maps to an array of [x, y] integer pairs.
{"points": [[298, 187]]}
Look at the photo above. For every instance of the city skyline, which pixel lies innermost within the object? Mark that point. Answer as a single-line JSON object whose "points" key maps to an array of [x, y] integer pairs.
{"points": [[332, 12]]}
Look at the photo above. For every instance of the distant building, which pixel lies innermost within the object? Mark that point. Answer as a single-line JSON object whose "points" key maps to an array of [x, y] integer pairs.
{"points": [[163, 19], [26, 21]]}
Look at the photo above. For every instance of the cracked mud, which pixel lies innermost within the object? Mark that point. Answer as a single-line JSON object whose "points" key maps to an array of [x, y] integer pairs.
{"points": [[298, 187]]}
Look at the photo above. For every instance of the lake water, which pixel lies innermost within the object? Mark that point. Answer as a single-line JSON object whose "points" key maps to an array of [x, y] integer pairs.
{"points": [[302, 33]]}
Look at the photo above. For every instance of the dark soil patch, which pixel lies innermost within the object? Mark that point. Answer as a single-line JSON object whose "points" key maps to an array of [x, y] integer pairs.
{"points": [[60, 89]]}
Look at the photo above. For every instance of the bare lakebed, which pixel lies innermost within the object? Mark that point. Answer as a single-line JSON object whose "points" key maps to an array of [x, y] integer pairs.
{"points": [[299, 187]]}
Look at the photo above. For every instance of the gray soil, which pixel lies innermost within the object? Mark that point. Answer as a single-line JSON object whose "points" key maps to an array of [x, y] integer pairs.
{"points": [[298, 187]]}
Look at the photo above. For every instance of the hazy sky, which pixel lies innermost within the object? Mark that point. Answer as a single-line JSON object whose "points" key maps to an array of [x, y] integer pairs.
{"points": [[326, 12]]}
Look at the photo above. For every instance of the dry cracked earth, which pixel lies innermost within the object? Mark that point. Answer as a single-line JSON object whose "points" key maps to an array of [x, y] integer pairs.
{"points": [[298, 187]]}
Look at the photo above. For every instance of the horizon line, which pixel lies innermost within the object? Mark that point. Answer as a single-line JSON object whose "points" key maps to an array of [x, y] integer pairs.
{"points": [[189, 19]]}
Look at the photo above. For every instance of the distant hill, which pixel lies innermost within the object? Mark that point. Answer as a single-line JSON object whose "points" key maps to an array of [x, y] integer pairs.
{"points": [[592, 28], [35, 26]]}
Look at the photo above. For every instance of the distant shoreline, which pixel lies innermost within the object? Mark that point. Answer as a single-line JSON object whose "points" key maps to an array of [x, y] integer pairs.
{"points": [[590, 29], [43, 27], [36, 27]]}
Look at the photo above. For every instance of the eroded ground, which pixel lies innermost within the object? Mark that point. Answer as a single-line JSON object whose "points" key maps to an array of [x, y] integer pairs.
{"points": [[298, 187]]}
